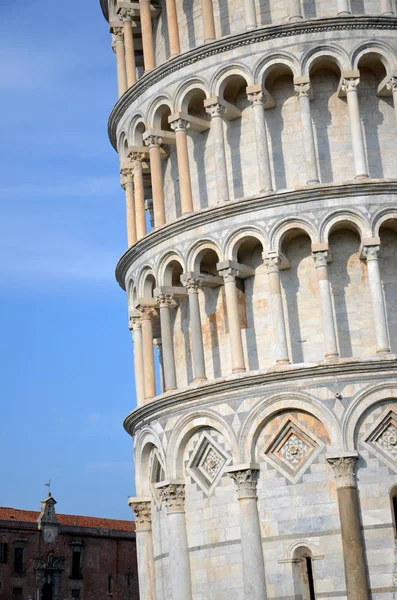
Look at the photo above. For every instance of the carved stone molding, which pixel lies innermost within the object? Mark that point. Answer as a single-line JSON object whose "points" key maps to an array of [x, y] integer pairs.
{"points": [[344, 468], [370, 252], [229, 275], [153, 141], [165, 300], [143, 514], [180, 125], [173, 496], [320, 258], [246, 481], [302, 89], [216, 110], [350, 84]]}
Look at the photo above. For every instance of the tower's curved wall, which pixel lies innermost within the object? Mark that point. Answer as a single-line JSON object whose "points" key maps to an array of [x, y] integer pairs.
{"points": [[263, 277]]}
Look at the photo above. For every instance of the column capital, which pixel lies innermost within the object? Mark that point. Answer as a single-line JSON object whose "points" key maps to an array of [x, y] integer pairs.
{"points": [[320, 258], [146, 313], [370, 252], [344, 468], [229, 275], [256, 97], [153, 141], [191, 282], [391, 85], [136, 157], [118, 32], [302, 89], [246, 479], [127, 14], [142, 508], [215, 110], [180, 125], [173, 495], [127, 173], [135, 322], [349, 84], [273, 263], [165, 300]]}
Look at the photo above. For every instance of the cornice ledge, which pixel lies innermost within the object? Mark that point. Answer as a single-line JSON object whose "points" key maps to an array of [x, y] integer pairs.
{"points": [[146, 413], [227, 43], [250, 204], [105, 8]]}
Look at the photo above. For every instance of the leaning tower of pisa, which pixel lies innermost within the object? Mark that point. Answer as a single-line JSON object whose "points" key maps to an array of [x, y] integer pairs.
{"points": [[258, 155]]}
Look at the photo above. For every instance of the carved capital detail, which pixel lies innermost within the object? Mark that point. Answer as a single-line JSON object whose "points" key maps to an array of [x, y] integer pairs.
{"points": [[350, 84], [127, 14], [320, 258], [229, 275], [392, 84], [246, 482], [302, 89], [135, 323], [118, 32], [164, 300], [344, 468], [191, 284], [147, 313], [173, 496], [256, 98], [137, 157], [180, 125], [216, 110], [127, 172], [273, 264], [143, 515], [153, 141], [370, 252]]}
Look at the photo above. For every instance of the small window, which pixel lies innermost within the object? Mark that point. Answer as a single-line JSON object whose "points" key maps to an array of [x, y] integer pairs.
{"points": [[303, 575], [393, 502], [76, 571], [110, 585], [3, 553], [18, 559], [76, 594], [17, 593]]}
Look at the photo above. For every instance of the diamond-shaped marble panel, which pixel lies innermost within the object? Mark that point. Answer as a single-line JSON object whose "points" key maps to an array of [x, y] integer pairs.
{"points": [[207, 463], [292, 449], [382, 438]]}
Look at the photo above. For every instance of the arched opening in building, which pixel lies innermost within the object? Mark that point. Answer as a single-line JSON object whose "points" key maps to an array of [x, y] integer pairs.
{"points": [[388, 274], [393, 506], [193, 105], [303, 574], [47, 591]]}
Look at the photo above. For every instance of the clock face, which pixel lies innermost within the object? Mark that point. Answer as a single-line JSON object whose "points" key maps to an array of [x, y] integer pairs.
{"points": [[49, 535]]}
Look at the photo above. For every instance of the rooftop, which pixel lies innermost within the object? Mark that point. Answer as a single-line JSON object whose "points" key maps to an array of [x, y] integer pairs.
{"points": [[30, 516]]}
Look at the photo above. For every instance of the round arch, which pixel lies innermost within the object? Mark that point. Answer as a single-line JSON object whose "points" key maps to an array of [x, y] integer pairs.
{"points": [[196, 252], [236, 238], [145, 441], [281, 229], [352, 219], [329, 53]]}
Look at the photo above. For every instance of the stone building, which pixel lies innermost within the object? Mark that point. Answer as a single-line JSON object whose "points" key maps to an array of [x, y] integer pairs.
{"points": [[258, 154], [49, 556]]}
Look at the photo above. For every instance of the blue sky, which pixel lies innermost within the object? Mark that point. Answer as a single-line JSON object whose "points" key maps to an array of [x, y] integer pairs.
{"points": [[66, 352]]}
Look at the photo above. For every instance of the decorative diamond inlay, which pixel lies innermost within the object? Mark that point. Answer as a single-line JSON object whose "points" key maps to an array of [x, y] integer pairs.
{"points": [[207, 463], [292, 449], [382, 438]]}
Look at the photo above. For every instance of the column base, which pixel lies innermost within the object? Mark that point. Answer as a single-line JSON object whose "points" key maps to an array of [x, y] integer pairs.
{"points": [[331, 356], [209, 40], [361, 176], [199, 379], [387, 14], [383, 351], [295, 19], [251, 28], [312, 181], [344, 13], [282, 362], [242, 370], [169, 389]]}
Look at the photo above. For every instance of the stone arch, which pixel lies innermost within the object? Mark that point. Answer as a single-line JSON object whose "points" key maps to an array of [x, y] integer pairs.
{"points": [[157, 110], [136, 129], [325, 53], [273, 63], [384, 51], [283, 228], [236, 238], [369, 397], [269, 407], [122, 146], [187, 90], [145, 441], [146, 282], [183, 431], [351, 219], [223, 77], [164, 276], [131, 294], [197, 250], [380, 217]]}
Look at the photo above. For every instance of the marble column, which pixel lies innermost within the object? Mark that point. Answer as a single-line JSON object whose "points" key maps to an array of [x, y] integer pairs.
{"points": [[147, 35], [136, 329], [262, 151], [147, 315], [154, 142], [217, 112], [233, 318], [386, 8], [173, 29], [180, 126], [392, 87], [137, 158], [280, 334], [302, 90], [329, 329], [127, 15], [246, 479], [173, 496], [294, 11], [144, 547], [128, 187], [118, 47], [352, 537], [192, 285], [207, 12], [165, 301], [250, 15], [349, 86], [370, 253], [157, 342], [343, 8]]}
